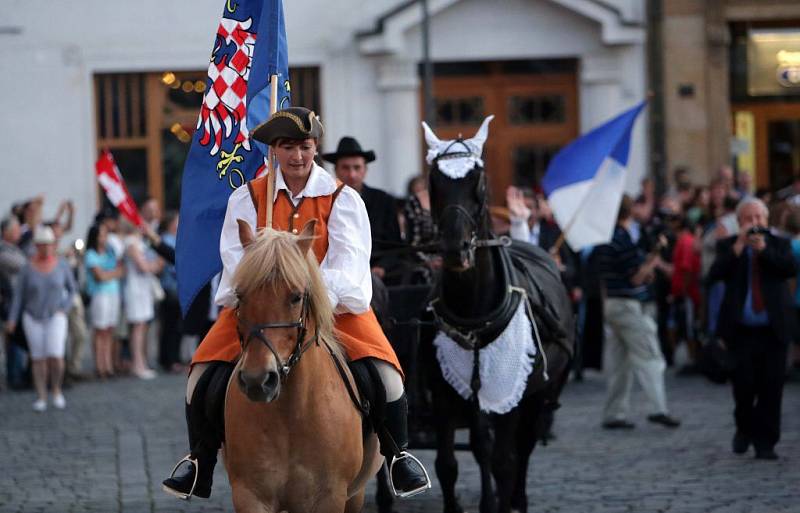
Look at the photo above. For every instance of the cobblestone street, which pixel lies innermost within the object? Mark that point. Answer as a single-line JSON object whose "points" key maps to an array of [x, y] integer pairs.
{"points": [[116, 441]]}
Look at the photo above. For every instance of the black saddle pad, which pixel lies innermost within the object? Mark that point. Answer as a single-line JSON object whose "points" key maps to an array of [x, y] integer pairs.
{"points": [[538, 274], [370, 388]]}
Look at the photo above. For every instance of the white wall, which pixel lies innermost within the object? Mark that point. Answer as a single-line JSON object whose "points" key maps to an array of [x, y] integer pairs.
{"points": [[49, 56], [505, 29], [46, 70]]}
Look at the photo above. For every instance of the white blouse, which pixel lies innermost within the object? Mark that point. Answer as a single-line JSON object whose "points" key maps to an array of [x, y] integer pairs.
{"points": [[345, 268]]}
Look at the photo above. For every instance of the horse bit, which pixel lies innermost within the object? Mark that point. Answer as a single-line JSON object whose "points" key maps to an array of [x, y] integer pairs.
{"points": [[257, 331]]}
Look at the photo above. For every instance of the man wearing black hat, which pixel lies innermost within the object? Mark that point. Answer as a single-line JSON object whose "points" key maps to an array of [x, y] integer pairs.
{"points": [[351, 168]]}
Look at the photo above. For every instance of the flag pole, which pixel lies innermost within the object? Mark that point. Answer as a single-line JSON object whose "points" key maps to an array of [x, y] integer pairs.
{"points": [[271, 178]]}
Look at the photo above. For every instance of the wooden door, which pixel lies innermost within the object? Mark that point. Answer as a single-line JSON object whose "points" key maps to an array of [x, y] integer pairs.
{"points": [[535, 116], [776, 144]]}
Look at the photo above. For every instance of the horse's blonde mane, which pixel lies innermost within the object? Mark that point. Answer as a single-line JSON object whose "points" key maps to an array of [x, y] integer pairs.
{"points": [[274, 257]]}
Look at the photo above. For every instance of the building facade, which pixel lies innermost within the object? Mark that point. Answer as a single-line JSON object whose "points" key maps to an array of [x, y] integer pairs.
{"points": [[130, 77], [731, 88]]}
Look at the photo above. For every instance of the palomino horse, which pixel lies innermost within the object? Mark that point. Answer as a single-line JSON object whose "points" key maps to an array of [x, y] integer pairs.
{"points": [[293, 434], [484, 281]]}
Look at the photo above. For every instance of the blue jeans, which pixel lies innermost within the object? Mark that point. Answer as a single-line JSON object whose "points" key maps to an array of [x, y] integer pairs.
{"points": [[16, 373]]}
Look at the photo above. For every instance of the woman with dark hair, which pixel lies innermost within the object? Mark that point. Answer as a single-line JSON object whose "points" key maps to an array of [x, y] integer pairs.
{"points": [[103, 271], [420, 230]]}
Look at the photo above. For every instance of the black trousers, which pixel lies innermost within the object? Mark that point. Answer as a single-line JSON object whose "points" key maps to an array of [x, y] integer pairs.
{"points": [[169, 347], [758, 384]]}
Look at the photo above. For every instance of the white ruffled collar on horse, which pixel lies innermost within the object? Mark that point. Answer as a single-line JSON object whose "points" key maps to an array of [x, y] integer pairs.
{"points": [[488, 350]]}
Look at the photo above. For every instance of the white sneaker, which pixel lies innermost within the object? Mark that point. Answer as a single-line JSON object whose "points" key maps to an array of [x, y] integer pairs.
{"points": [[145, 374], [59, 402], [39, 405]]}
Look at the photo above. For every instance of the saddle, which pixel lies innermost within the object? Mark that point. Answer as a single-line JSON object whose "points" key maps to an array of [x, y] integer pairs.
{"points": [[537, 273], [208, 401]]}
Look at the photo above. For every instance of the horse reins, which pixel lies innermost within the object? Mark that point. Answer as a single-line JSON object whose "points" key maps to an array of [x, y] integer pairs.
{"points": [[257, 331]]}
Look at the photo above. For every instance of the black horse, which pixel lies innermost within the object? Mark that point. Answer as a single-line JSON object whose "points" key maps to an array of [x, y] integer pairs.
{"points": [[482, 280]]}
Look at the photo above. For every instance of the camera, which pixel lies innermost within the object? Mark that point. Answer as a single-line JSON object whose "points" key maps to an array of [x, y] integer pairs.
{"points": [[758, 230]]}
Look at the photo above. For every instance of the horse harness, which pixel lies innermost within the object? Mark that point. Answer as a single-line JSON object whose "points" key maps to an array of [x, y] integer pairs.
{"points": [[284, 368], [257, 331]]}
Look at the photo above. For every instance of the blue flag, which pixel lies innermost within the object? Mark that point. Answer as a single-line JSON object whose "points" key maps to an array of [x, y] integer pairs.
{"points": [[249, 47], [585, 181]]}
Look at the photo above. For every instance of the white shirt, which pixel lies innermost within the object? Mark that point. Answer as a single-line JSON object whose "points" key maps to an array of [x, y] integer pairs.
{"points": [[521, 231], [345, 268]]}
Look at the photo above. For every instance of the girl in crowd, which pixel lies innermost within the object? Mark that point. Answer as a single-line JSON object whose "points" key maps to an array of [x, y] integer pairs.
{"points": [[42, 298], [140, 283], [103, 272]]}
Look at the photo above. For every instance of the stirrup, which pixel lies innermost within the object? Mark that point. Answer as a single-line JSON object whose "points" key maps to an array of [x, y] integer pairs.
{"points": [[411, 493], [175, 493]]}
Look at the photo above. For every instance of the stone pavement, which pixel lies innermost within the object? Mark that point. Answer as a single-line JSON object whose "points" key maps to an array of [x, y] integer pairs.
{"points": [[115, 442]]}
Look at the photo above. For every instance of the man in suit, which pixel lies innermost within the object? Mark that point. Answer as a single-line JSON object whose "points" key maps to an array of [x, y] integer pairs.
{"points": [[756, 323], [350, 163]]}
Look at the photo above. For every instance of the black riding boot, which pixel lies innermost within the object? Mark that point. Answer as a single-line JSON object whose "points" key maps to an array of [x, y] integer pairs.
{"points": [[198, 464], [406, 474]]}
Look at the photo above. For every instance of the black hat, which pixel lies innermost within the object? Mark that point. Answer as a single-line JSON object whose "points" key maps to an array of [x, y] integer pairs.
{"points": [[293, 123], [349, 147]]}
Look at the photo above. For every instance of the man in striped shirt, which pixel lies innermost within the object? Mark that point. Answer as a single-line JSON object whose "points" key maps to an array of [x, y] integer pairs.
{"points": [[631, 340]]}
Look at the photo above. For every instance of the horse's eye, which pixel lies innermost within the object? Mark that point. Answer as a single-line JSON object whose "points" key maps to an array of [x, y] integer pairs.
{"points": [[296, 298]]}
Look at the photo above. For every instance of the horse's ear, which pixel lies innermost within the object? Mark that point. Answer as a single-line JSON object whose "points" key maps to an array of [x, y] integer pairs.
{"points": [[306, 236], [430, 137], [246, 235], [482, 134]]}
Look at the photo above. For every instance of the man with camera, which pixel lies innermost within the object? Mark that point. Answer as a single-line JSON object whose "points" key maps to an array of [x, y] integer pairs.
{"points": [[756, 323]]}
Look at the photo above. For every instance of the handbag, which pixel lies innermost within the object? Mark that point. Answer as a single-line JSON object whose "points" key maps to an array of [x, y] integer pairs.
{"points": [[716, 362], [156, 289]]}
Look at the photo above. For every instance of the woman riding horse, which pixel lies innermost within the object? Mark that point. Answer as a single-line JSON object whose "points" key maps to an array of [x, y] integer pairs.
{"points": [[304, 191]]}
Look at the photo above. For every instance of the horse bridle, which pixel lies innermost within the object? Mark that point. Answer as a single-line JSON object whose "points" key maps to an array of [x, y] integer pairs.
{"points": [[257, 331], [469, 246]]}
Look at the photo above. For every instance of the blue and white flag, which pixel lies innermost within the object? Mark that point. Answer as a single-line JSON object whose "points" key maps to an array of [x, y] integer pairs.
{"points": [[249, 47], [585, 181]]}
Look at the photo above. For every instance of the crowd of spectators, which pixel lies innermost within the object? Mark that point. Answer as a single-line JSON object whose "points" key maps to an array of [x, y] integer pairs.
{"points": [[670, 277], [655, 283], [58, 289]]}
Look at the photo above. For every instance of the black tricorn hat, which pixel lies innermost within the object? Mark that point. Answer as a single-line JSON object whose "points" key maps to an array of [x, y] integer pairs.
{"points": [[349, 147], [293, 123]]}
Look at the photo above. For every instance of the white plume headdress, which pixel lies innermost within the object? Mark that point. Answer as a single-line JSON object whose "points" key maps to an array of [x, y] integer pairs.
{"points": [[465, 153]]}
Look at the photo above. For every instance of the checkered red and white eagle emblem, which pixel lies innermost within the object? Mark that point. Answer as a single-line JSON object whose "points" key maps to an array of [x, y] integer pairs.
{"points": [[225, 102]]}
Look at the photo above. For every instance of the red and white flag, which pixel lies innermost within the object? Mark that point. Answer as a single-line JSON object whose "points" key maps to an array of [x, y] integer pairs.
{"points": [[110, 179]]}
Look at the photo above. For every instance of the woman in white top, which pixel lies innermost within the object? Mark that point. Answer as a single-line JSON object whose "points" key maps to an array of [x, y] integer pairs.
{"points": [[141, 265]]}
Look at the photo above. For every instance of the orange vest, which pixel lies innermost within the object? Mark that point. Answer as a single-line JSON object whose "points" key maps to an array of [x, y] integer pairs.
{"points": [[360, 334]]}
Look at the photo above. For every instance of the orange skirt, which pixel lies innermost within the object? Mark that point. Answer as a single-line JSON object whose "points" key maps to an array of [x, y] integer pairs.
{"points": [[360, 335]]}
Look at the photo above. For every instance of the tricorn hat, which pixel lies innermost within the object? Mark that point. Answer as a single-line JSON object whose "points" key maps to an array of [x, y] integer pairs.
{"points": [[293, 123], [349, 147]]}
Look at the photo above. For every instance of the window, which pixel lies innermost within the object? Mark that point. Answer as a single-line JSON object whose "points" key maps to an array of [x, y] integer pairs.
{"points": [[530, 163], [533, 110], [459, 111], [147, 121]]}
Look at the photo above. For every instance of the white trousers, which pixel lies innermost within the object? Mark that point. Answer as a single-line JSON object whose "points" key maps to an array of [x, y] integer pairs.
{"points": [[631, 350], [47, 338]]}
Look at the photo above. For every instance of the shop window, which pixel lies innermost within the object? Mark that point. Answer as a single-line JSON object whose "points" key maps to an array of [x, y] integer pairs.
{"points": [[784, 151]]}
